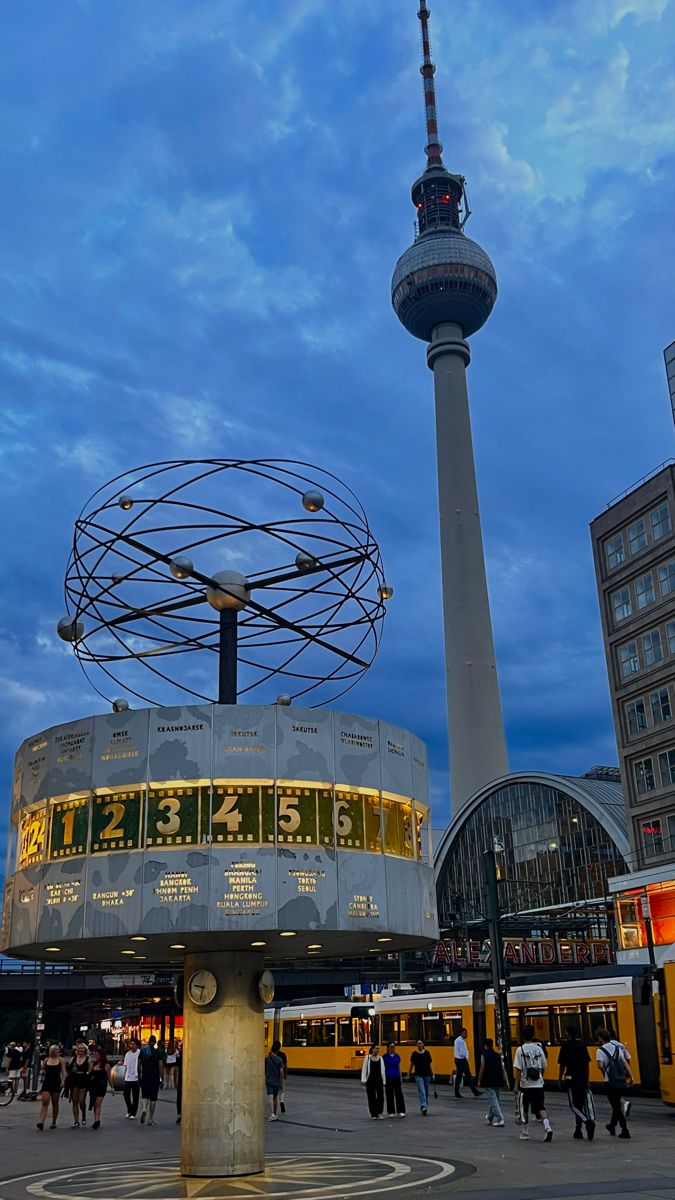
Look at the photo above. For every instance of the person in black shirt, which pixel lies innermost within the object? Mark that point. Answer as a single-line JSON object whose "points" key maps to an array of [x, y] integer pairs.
{"points": [[151, 1072], [422, 1069], [573, 1061], [492, 1076], [276, 1049], [26, 1064]]}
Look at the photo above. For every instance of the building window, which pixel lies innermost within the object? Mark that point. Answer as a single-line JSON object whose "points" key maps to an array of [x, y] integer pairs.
{"points": [[667, 767], [667, 577], [644, 590], [644, 776], [670, 634], [652, 836], [660, 519], [660, 706], [628, 656], [652, 648], [621, 604], [614, 551], [671, 830], [637, 716], [637, 536]]}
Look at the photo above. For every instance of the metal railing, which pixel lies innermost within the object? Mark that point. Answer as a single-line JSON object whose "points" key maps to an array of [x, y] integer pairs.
{"points": [[669, 462]]}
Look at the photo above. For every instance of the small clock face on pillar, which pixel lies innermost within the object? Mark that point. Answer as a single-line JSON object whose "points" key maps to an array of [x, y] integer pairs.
{"points": [[202, 987]]}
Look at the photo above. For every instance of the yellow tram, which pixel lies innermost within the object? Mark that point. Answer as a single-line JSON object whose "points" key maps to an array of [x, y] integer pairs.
{"points": [[664, 1005]]}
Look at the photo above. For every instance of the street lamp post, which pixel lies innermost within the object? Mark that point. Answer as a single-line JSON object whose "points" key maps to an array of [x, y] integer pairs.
{"points": [[502, 1024]]}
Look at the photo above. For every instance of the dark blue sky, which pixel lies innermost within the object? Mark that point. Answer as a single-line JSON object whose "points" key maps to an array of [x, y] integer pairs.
{"points": [[203, 203]]}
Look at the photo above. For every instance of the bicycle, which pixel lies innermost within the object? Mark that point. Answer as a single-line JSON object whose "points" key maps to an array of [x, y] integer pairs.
{"points": [[7, 1091]]}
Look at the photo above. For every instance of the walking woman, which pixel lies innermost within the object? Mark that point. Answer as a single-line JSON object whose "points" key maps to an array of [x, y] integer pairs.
{"points": [[78, 1078], [54, 1078], [98, 1081], [392, 1082], [170, 1065], [372, 1077]]}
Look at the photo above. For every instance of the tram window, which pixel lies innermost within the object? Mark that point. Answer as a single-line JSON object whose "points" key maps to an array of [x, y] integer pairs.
{"points": [[295, 1033], [321, 1032], [389, 1028], [541, 1019], [514, 1024], [601, 1016], [354, 1031], [564, 1015], [452, 1022]]}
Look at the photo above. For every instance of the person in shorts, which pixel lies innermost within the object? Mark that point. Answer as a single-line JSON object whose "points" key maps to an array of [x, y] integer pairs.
{"points": [[274, 1071], [529, 1065], [151, 1072]]}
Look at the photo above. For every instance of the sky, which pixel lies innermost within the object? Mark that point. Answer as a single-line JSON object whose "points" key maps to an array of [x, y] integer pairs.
{"points": [[203, 203]]}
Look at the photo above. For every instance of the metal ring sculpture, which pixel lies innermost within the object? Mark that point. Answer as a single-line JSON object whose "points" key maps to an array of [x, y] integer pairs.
{"points": [[145, 580]]}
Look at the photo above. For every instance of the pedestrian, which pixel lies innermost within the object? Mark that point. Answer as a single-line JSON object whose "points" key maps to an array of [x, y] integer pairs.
{"points": [[131, 1084], [372, 1078], [276, 1049], [274, 1069], [14, 1064], [462, 1068], [78, 1080], [492, 1076], [529, 1065], [25, 1068], [614, 1061], [421, 1068], [392, 1082], [573, 1061], [54, 1077], [151, 1071], [179, 1084], [170, 1064], [99, 1079]]}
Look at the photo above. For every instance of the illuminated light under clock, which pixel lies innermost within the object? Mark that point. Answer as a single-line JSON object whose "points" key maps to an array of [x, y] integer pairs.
{"points": [[128, 952], [138, 938], [287, 933], [258, 943], [53, 949], [176, 946], [385, 939]]}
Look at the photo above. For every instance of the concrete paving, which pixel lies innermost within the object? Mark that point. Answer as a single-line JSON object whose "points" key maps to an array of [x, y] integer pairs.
{"points": [[326, 1147]]}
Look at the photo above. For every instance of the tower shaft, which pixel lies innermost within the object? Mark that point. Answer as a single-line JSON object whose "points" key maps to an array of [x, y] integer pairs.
{"points": [[475, 725]]}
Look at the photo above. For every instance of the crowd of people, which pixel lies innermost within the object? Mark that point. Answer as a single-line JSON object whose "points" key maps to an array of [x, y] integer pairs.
{"points": [[382, 1077], [84, 1078]]}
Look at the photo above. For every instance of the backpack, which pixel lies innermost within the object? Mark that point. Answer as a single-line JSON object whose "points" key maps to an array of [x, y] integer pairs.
{"points": [[533, 1073], [616, 1073]]}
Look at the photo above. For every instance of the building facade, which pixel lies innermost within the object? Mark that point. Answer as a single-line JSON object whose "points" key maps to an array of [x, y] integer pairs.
{"points": [[634, 553], [559, 838]]}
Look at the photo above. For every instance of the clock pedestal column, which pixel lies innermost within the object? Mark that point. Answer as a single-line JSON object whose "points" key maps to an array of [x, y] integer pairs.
{"points": [[222, 1126]]}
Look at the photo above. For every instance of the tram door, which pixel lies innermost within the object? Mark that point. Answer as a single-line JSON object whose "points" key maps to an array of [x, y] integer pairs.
{"points": [[645, 1033]]}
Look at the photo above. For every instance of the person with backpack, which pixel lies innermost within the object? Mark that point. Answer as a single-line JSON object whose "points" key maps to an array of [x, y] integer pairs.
{"points": [[614, 1062], [573, 1061], [492, 1076], [529, 1065]]}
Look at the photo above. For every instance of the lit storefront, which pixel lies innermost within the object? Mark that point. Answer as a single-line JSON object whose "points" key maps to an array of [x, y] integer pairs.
{"points": [[645, 915]]}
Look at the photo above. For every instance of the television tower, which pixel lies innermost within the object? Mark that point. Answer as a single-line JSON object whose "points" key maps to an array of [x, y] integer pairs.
{"points": [[443, 290]]}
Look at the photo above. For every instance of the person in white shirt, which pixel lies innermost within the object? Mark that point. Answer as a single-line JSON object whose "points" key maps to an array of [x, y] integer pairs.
{"points": [[613, 1060], [462, 1068], [131, 1084], [529, 1065]]}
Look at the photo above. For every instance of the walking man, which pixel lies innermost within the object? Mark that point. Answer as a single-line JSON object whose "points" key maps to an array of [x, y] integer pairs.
{"points": [[573, 1061], [613, 1060], [529, 1066], [151, 1071], [462, 1068], [421, 1068], [131, 1084], [492, 1076]]}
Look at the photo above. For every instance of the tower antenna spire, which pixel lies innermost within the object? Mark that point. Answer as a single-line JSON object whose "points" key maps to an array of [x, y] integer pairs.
{"points": [[433, 148]]}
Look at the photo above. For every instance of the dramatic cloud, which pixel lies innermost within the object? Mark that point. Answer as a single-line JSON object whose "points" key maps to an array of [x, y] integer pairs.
{"points": [[202, 207]]}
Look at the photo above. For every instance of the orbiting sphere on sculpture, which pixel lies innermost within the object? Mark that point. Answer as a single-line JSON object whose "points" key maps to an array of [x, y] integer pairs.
{"points": [[161, 551], [443, 278]]}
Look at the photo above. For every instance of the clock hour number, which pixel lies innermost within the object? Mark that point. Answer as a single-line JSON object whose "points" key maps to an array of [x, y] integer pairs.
{"points": [[228, 814], [113, 829], [171, 822], [68, 822], [343, 825], [289, 817]]}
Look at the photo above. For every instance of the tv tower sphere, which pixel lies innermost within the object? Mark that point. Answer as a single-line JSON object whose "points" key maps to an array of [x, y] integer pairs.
{"points": [[443, 278]]}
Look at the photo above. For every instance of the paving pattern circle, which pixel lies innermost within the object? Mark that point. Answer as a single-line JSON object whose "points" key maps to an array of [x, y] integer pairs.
{"points": [[287, 1177]]}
